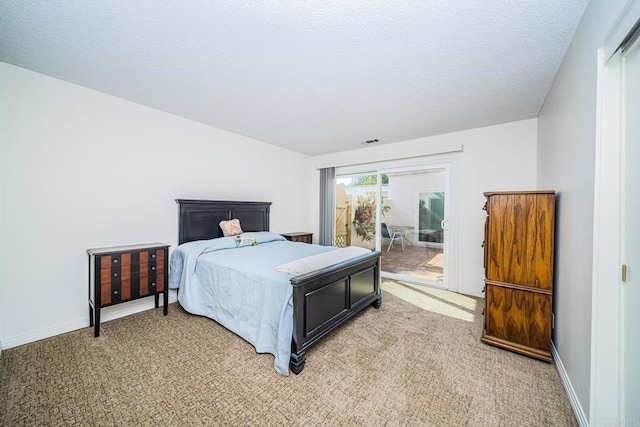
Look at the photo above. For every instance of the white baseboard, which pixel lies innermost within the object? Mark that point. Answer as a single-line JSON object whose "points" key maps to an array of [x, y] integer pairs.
{"points": [[571, 393], [106, 314], [43, 333]]}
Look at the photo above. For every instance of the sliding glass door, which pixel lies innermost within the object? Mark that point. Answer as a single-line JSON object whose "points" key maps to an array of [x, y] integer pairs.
{"points": [[415, 214], [401, 212]]}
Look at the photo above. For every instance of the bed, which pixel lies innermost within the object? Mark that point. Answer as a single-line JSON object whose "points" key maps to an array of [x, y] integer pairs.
{"points": [[294, 312]]}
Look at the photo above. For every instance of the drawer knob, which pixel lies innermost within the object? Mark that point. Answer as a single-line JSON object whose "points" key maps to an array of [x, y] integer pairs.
{"points": [[153, 255], [115, 292], [153, 268], [115, 274], [153, 284], [115, 261]]}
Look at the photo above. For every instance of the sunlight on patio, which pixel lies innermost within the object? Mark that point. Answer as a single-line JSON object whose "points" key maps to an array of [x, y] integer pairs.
{"points": [[435, 300], [419, 262]]}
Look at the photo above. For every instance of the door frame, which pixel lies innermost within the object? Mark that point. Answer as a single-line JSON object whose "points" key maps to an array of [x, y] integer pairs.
{"points": [[606, 399]]}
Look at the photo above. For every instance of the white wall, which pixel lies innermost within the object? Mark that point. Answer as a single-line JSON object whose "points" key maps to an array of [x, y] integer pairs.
{"points": [[81, 169], [566, 161], [501, 157]]}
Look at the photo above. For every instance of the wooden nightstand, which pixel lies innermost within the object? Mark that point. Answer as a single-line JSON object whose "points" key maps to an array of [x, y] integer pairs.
{"points": [[298, 237], [125, 273]]}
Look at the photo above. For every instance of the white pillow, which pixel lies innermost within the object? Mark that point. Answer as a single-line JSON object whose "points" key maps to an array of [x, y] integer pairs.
{"points": [[231, 227]]}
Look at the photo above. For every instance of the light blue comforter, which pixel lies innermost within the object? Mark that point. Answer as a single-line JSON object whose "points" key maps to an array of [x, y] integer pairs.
{"points": [[239, 287]]}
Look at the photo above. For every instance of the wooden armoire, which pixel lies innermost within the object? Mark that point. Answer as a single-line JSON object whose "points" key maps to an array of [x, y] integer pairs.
{"points": [[518, 264]]}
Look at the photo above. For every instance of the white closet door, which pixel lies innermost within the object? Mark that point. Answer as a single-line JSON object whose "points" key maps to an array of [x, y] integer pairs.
{"points": [[631, 234]]}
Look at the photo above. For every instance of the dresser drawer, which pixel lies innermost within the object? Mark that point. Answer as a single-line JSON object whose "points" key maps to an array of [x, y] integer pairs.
{"points": [[516, 319], [126, 272], [134, 258], [127, 288]]}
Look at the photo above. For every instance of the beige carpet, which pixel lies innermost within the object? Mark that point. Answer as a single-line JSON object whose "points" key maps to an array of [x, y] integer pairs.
{"points": [[403, 364]]}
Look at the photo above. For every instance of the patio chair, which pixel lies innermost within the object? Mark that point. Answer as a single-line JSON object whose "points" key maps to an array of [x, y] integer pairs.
{"points": [[397, 235]]}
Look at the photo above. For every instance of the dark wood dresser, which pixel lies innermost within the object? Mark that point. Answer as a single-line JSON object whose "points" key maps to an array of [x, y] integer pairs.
{"points": [[518, 263], [125, 273], [298, 237]]}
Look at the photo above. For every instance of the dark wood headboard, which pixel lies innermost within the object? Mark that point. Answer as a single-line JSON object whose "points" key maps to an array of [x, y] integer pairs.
{"points": [[199, 219]]}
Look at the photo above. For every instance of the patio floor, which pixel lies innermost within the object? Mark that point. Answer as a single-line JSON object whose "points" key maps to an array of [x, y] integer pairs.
{"points": [[415, 261]]}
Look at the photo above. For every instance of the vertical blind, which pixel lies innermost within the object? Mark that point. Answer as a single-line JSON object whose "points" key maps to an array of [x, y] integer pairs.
{"points": [[327, 205]]}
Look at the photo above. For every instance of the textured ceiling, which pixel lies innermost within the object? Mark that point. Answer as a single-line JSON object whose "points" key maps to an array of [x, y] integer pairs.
{"points": [[315, 77]]}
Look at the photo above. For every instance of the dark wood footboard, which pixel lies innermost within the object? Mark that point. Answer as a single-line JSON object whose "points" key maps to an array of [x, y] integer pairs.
{"points": [[324, 299]]}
